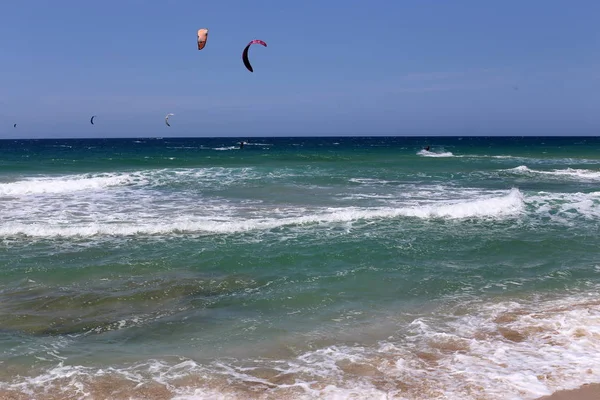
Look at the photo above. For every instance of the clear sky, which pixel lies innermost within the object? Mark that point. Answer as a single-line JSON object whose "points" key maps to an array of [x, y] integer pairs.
{"points": [[332, 67]]}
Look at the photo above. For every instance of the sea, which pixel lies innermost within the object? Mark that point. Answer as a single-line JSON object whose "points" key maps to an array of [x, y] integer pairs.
{"points": [[299, 267]]}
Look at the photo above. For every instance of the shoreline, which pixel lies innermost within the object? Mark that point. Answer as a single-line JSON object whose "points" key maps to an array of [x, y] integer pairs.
{"points": [[153, 390], [590, 391]]}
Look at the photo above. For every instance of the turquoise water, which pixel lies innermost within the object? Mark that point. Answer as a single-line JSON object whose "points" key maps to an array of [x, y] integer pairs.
{"points": [[299, 267]]}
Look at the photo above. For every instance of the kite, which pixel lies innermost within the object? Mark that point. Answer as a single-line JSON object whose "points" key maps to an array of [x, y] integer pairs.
{"points": [[245, 53]]}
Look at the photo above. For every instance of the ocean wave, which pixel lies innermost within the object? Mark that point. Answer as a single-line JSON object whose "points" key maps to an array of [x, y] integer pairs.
{"points": [[512, 349], [570, 173], [513, 158], [101, 181], [548, 161], [104, 213], [510, 204], [369, 181], [426, 153], [66, 184], [226, 148], [566, 208]]}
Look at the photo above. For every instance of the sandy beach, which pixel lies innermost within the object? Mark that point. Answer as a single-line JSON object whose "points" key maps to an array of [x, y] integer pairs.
{"points": [[586, 392]]}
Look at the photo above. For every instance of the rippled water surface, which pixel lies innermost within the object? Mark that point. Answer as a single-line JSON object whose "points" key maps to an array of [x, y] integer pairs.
{"points": [[299, 268]]}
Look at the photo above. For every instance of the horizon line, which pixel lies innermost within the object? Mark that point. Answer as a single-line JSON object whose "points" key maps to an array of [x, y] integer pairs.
{"points": [[307, 137]]}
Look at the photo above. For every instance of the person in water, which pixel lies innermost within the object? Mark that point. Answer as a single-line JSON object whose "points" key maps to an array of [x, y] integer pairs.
{"points": [[241, 145], [426, 148]]}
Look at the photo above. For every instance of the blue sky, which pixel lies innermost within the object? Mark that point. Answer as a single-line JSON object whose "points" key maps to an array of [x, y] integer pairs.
{"points": [[332, 67]]}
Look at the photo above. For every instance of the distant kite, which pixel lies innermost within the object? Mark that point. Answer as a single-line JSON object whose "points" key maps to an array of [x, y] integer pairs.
{"points": [[202, 37], [167, 118], [15, 125], [92, 119], [245, 53]]}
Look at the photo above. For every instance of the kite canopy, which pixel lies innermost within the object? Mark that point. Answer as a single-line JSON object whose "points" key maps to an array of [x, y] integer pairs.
{"points": [[92, 119], [167, 118], [202, 37], [245, 53], [15, 125]]}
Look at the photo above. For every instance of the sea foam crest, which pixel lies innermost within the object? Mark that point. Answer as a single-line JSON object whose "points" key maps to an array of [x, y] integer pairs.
{"points": [[64, 184], [578, 174], [150, 224], [87, 182], [426, 153]]}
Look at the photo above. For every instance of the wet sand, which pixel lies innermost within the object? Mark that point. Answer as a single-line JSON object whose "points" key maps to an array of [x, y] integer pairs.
{"points": [[586, 392], [115, 389]]}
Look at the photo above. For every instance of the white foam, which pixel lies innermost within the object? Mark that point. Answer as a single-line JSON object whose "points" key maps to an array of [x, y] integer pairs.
{"points": [[360, 196], [369, 181], [426, 153], [64, 184], [136, 222], [554, 161], [227, 148], [506, 350], [541, 347], [577, 174], [566, 208], [100, 181]]}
